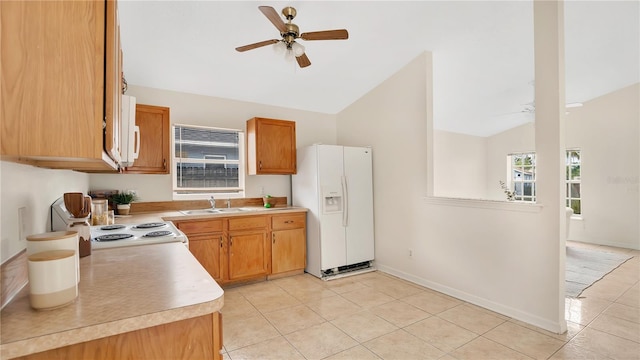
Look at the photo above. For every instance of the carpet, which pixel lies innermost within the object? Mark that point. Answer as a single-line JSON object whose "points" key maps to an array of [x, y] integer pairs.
{"points": [[585, 266]]}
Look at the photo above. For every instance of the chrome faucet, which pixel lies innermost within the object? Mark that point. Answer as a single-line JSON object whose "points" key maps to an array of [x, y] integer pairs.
{"points": [[212, 201]]}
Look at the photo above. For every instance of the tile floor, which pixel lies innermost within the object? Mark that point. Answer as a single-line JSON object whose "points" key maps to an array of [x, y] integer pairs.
{"points": [[378, 316]]}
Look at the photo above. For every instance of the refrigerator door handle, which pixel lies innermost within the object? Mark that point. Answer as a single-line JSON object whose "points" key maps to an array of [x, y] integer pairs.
{"points": [[345, 202]]}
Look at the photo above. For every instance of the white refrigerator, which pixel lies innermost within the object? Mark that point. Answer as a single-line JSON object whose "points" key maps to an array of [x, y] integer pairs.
{"points": [[336, 184]]}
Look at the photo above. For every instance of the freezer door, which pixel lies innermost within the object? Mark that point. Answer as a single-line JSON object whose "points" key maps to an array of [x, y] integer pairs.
{"points": [[359, 206], [332, 233]]}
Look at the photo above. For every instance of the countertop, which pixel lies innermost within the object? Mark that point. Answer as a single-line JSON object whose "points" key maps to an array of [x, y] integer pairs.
{"points": [[138, 218], [113, 298]]}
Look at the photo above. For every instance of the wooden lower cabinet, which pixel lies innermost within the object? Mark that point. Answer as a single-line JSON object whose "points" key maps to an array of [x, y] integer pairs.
{"points": [[243, 248], [206, 248], [288, 250], [195, 338], [248, 254]]}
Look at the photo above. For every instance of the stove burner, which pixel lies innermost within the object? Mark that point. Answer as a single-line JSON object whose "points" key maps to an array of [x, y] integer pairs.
{"points": [[150, 225], [158, 233], [113, 237], [113, 227]]}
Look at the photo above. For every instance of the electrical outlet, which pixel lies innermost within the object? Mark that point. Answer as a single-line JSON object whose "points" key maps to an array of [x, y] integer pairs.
{"points": [[22, 226]]}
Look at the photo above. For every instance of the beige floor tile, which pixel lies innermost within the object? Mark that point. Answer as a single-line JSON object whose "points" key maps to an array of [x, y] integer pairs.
{"points": [[400, 313], [583, 311], [333, 307], [400, 345], [573, 352], [471, 319], [269, 303], [441, 333], [625, 312], [394, 288], [355, 353], [608, 290], [259, 289], [305, 295], [367, 297], [572, 330], [344, 284], [278, 348], [320, 341], [245, 332], [363, 326], [293, 319], [485, 349], [615, 326], [631, 297], [606, 344], [431, 302], [238, 308], [523, 340]]}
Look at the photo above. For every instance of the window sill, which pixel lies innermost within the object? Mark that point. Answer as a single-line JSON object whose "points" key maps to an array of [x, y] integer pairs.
{"points": [[484, 204]]}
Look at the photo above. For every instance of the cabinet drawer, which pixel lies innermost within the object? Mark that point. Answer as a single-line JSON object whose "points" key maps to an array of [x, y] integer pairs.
{"points": [[284, 222], [247, 222], [200, 227]]}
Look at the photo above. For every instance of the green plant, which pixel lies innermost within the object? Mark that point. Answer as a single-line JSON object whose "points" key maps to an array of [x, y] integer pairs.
{"points": [[511, 195], [123, 198]]}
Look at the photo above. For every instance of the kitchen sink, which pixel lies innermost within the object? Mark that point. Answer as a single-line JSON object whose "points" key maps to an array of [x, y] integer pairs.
{"points": [[200, 211]]}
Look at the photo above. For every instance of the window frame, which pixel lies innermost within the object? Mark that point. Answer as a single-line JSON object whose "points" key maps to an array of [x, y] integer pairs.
{"points": [[570, 182], [227, 193], [511, 183]]}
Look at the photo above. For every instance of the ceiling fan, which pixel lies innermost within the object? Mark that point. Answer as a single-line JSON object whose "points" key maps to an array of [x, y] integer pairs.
{"points": [[290, 32]]}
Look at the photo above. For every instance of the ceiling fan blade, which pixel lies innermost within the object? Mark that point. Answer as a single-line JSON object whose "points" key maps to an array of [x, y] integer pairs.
{"points": [[273, 16], [256, 45], [303, 60], [340, 34]]}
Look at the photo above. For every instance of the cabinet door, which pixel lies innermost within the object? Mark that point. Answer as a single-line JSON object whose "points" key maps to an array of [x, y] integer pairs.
{"points": [[53, 83], [288, 250], [271, 146], [206, 249], [248, 254], [154, 140]]}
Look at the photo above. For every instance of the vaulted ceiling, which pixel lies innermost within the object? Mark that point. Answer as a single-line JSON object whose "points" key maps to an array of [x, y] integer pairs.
{"points": [[482, 53]]}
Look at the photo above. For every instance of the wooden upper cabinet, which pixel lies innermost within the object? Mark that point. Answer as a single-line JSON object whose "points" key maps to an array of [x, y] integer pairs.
{"points": [[271, 146], [155, 152], [60, 68]]}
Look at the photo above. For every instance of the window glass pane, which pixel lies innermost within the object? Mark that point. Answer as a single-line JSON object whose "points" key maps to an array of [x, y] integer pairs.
{"points": [[528, 189], [528, 173], [575, 172], [194, 143], [575, 190], [575, 205], [198, 175], [518, 188]]}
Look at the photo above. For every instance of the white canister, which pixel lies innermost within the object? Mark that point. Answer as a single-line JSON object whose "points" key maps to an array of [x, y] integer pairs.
{"points": [[52, 279], [57, 240]]}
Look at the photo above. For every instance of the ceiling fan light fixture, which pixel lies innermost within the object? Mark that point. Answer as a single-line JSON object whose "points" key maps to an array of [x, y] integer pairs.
{"points": [[289, 56], [298, 49], [280, 47]]}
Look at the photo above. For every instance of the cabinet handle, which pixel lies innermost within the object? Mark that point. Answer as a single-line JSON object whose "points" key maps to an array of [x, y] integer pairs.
{"points": [[288, 222], [164, 164], [230, 241], [220, 241], [273, 236], [260, 164]]}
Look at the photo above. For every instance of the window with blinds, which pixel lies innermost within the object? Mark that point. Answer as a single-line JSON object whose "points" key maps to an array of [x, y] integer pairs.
{"points": [[207, 160]]}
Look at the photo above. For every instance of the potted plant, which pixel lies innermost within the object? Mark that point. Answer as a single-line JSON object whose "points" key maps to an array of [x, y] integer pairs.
{"points": [[123, 201]]}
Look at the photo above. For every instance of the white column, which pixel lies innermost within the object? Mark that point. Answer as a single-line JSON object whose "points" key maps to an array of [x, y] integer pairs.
{"points": [[549, 130]]}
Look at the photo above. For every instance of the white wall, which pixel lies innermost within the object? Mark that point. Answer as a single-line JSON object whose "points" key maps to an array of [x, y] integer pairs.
{"points": [[193, 109], [606, 129], [459, 165], [35, 189], [464, 248]]}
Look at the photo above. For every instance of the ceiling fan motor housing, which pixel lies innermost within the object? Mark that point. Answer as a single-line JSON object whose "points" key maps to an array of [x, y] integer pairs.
{"points": [[289, 13]]}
